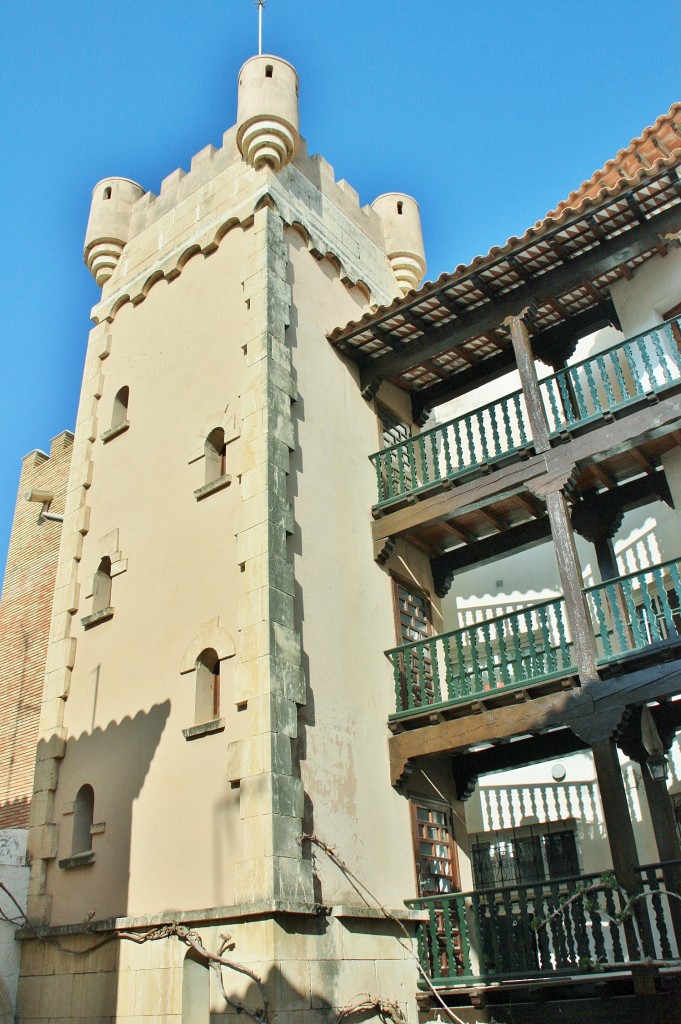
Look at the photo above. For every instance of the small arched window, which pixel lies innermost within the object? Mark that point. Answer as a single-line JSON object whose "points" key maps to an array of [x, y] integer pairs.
{"points": [[119, 413], [195, 990], [215, 451], [269, 71], [83, 816], [107, 192], [207, 703], [400, 205], [101, 589]]}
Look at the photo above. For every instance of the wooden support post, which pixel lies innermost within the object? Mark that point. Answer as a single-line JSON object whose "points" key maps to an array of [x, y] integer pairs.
{"points": [[666, 840], [571, 579], [621, 838], [528, 379]]}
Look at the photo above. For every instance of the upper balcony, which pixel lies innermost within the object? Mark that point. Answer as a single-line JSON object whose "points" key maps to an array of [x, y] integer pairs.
{"points": [[605, 386], [530, 650]]}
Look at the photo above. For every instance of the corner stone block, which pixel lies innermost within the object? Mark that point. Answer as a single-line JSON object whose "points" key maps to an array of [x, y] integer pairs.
{"points": [[52, 717], [281, 760], [286, 834], [252, 880], [66, 598], [281, 608], [51, 747], [251, 542], [42, 808], [288, 680], [43, 841], [271, 794], [251, 679], [61, 654], [293, 880], [255, 642], [253, 481], [282, 575], [46, 775], [57, 684], [39, 908], [286, 644]]}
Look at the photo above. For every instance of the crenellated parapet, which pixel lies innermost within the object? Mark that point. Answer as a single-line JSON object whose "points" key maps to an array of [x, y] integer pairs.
{"points": [[148, 238]]}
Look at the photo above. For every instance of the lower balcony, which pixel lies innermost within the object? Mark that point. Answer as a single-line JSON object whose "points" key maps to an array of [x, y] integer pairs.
{"points": [[571, 927], [498, 658]]}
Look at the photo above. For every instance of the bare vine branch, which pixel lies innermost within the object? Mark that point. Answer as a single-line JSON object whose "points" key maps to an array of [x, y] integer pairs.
{"points": [[216, 961], [372, 900], [366, 1003]]}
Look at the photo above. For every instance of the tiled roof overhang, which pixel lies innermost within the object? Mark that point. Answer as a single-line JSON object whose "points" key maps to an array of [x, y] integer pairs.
{"points": [[451, 330]]}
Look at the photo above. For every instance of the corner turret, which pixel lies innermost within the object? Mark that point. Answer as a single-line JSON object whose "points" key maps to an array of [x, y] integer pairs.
{"points": [[108, 227], [267, 116], [403, 238]]}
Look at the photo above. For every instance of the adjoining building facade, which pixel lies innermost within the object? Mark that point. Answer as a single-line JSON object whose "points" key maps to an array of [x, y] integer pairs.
{"points": [[224, 747]]}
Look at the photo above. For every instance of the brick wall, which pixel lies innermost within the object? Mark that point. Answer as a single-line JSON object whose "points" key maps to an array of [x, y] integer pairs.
{"points": [[25, 611]]}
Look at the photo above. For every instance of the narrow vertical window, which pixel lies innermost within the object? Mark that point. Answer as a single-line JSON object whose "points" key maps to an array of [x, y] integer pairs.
{"points": [[215, 455], [83, 816], [207, 704], [101, 590], [195, 990], [107, 192], [119, 413]]}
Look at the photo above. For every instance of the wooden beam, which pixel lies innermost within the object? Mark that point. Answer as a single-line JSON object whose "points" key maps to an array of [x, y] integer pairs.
{"points": [[594, 263], [562, 338], [599, 474], [545, 746], [517, 538]]}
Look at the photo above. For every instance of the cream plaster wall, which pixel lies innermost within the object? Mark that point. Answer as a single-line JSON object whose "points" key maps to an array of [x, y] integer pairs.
{"points": [[179, 352], [343, 602]]}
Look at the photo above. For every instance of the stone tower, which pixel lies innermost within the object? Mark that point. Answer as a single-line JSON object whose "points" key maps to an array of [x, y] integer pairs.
{"points": [[214, 688]]}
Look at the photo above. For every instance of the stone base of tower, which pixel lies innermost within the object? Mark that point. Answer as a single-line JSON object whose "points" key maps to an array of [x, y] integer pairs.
{"points": [[312, 965]]}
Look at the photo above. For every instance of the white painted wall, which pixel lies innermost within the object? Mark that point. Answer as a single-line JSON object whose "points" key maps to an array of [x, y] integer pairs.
{"points": [[14, 873]]}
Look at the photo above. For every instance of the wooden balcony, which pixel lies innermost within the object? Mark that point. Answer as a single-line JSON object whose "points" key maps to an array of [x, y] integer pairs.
{"points": [[595, 390], [531, 648], [535, 931]]}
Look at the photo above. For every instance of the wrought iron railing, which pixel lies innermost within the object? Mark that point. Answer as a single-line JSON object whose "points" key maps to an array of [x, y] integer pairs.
{"points": [[445, 452], [633, 612], [577, 395], [537, 931], [612, 379], [512, 650]]}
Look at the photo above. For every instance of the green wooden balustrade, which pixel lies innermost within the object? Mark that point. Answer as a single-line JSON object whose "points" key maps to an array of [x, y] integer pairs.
{"points": [[628, 614], [579, 394], [448, 451], [612, 379], [506, 651], [633, 612], [664, 912], [491, 935]]}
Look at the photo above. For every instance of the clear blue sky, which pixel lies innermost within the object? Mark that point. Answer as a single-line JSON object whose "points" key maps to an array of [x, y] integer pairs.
{"points": [[488, 112]]}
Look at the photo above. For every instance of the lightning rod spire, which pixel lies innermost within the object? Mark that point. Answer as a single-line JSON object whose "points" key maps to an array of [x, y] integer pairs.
{"points": [[260, 4]]}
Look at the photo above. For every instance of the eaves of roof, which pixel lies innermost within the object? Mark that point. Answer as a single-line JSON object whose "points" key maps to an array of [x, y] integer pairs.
{"points": [[658, 149]]}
